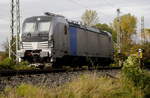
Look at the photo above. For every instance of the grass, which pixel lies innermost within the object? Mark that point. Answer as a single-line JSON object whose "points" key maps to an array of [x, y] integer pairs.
{"points": [[86, 86], [9, 64]]}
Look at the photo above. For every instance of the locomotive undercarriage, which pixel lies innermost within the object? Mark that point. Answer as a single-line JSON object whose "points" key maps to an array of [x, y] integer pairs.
{"points": [[79, 61], [35, 58]]}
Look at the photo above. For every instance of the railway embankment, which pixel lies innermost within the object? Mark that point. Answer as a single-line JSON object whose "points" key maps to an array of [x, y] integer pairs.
{"points": [[51, 78], [130, 82]]}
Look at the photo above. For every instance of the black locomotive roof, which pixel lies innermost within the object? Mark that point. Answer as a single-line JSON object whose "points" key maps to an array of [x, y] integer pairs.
{"points": [[34, 18], [92, 29]]}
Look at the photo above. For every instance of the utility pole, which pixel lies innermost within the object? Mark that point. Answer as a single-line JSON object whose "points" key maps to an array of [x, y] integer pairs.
{"points": [[143, 39], [15, 28], [118, 31], [119, 35]]}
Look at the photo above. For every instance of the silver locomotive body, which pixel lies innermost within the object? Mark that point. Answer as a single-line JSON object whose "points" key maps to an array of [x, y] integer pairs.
{"points": [[51, 39]]}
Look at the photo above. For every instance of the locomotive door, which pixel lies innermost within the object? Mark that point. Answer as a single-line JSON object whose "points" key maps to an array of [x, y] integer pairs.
{"points": [[61, 42], [65, 42]]}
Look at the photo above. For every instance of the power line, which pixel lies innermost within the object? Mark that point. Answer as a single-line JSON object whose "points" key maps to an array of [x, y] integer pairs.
{"points": [[107, 2], [83, 6], [79, 4]]}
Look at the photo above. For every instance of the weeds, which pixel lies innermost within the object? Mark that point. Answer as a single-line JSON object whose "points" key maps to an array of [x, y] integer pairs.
{"points": [[133, 74], [9, 64], [23, 66], [86, 86]]}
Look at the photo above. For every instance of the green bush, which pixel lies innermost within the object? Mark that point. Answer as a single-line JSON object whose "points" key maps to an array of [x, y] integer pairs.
{"points": [[23, 66], [131, 69], [132, 73], [24, 63], [7, 64]]}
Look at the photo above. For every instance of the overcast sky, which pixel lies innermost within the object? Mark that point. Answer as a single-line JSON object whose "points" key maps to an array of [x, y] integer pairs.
{"points": [[73, 9]]}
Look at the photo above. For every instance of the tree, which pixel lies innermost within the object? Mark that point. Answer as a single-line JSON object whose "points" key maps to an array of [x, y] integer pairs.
{"points": [[105, 27], [127, 25], [147, 34], [4, 54], [146, 56], [90, 17], [6, 48]]}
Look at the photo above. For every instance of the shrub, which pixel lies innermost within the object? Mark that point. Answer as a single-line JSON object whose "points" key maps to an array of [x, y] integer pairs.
{"points": [[23, 66], [131, 69], [133, 74], [7, 64]]}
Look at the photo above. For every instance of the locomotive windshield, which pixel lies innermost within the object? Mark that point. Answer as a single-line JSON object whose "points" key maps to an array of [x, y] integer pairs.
{"points": [[44, 26], [30, 27], [36, 29]]}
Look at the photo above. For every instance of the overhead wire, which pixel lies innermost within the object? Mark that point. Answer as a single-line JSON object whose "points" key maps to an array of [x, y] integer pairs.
{"points": [[79, 4], [110, 4], [83, 6]]}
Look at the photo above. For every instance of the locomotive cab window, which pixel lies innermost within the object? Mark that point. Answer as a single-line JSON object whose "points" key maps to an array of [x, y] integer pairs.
{"points": [[44, 26], [65, 30], [29, 27]]}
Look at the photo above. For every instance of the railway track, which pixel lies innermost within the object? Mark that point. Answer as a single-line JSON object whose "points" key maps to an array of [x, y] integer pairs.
{"points": [[50, 78], [47, 71]]}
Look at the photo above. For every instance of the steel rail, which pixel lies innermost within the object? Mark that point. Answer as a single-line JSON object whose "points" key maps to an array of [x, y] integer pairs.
{"points": [[46, 71]]}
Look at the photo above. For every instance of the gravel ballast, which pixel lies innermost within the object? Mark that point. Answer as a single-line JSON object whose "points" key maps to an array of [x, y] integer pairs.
{"points": [[50, 80]]}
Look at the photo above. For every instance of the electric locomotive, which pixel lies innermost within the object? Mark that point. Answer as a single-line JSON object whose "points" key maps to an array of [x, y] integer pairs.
{"points": [[53, 39]]}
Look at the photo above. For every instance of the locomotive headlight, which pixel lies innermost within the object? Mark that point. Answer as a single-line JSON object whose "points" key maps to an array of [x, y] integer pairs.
{"points": [[38, 19]]}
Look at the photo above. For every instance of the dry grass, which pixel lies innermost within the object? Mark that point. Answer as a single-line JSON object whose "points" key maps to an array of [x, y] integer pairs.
{"points": [[86, 86]]}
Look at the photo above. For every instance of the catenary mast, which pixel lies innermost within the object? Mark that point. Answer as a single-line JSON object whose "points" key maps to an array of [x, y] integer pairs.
{"points": [[118, 31], [15, 29]]}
